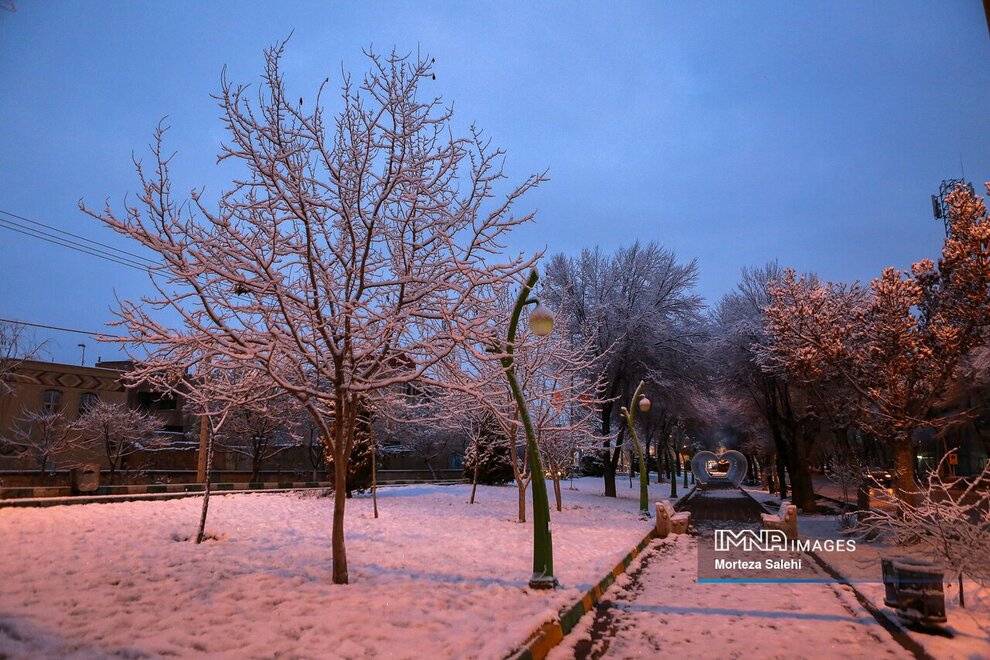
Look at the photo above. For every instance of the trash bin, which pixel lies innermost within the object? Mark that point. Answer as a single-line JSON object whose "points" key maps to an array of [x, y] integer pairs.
{"points": [[85, 479], [913, 588]]}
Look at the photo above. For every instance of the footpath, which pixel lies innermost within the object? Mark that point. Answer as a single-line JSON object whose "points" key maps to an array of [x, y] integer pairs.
{"points": [[659, 609]]}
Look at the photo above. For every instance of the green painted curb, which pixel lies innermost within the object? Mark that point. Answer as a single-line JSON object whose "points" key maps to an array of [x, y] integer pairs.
{"points": [[548, 635]]}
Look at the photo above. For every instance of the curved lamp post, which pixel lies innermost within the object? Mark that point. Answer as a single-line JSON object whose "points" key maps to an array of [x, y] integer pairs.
{"points": [[541, 324], [644, 476]]}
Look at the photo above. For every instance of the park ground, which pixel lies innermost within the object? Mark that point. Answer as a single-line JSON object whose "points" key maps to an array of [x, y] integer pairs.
{"points": [[433, 576]]}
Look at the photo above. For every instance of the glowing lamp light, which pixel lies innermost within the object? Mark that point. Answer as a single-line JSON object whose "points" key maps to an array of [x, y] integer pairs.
{"points": [[644, 404], [541, 321]]}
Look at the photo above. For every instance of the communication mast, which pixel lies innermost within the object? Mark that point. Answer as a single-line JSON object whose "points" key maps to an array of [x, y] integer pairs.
{"points": [[940, 209]]}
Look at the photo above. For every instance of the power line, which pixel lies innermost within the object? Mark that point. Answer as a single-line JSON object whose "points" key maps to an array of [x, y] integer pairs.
{"points": [[110, 253], [82, 238], [55, 327], [67, 243], [4, 224]]}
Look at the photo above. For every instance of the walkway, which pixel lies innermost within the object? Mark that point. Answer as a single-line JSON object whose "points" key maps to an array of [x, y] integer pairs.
{"points": [[721, 503], [661, 610]]}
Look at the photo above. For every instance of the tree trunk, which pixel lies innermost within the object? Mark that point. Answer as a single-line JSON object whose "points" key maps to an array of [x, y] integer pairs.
{"points": [[374, 477], [802, 488], [207, 468], [521, 487], [608, 466], [904, 469], [474, 480], [256, 463], [673, 477], [202, 472], [781, 478], [339, 498], [556, 491]]}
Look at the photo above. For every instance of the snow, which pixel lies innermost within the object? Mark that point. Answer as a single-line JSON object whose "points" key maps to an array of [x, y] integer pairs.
{"points": [[661, 611], [970, 626], [432, 577]]}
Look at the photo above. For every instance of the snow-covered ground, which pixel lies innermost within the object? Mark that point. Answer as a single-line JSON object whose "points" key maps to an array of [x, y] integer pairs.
{"points": [[970, 626], [432, 577], [663, 612]]}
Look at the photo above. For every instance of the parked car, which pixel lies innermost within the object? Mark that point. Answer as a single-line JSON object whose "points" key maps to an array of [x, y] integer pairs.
{"points": [[883, 478]]}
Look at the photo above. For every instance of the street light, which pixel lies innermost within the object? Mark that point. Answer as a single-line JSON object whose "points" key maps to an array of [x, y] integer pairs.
{"points": [[541, 320], [644, 476], [541, 324]]}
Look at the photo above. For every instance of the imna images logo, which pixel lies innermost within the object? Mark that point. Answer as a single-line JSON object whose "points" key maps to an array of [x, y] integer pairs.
{"points": [[748, 540], [771, 540]]}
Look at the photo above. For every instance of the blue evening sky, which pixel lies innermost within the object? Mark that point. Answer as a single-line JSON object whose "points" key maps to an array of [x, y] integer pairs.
{"points": [[730, 132]]}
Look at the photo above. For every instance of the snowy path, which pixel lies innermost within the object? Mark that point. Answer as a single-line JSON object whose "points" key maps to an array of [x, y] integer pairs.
{"points": [[658, 609]]}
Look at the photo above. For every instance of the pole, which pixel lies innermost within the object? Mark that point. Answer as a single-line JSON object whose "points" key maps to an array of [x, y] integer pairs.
{"points": [[543, 577], [644, 484]]}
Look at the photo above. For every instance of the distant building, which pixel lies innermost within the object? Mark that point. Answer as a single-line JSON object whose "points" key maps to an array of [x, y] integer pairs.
{"points": [[48, 386]]}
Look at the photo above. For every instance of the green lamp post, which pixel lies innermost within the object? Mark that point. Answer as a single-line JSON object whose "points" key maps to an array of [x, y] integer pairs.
{"points": [[644, 476], [541, 324]]}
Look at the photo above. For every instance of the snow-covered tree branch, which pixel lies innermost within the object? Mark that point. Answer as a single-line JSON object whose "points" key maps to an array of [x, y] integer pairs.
{"points": [[354, 250]]}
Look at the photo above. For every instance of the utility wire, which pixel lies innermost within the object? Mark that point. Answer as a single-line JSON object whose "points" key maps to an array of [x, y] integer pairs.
{"points": [[65, 243], [95, 249], [55, 327], [82, 238]]}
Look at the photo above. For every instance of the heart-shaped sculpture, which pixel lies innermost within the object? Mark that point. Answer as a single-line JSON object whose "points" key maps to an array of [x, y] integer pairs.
{"points": [[730, 466]]}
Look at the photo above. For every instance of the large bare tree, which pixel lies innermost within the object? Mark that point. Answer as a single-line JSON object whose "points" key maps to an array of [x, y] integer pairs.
{"points": [[351, 253], [638, 311]]}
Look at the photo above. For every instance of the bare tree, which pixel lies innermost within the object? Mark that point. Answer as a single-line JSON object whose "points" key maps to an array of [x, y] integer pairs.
{"points": [[775, 404], [637, 310], [351, 254], [16, 345], [43, 434], [949, 519], [119, 431], [557, 376], [260, 429]]}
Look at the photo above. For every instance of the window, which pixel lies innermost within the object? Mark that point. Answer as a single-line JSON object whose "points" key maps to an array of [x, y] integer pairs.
{"points": [[51, 401], [86, 401], [155, 401]]}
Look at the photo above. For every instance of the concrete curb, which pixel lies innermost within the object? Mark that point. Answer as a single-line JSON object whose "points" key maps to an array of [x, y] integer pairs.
{"points": [[157, 492], [136, 493]]}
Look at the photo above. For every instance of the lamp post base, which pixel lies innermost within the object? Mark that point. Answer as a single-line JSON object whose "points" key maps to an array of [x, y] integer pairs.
{"points": [[540, 581]]}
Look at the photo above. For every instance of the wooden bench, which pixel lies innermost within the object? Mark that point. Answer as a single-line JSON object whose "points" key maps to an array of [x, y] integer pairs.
{"points": [[785, 519], [669, 522]]}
